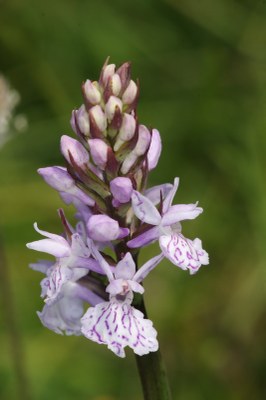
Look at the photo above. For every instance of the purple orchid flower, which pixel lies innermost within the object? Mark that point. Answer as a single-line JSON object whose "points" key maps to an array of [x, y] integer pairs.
{"points": [[73, 260], [116, 323], [167, 228]]}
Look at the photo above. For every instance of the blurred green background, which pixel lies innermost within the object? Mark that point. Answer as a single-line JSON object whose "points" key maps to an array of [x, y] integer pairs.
{"points": [[202, 69]]}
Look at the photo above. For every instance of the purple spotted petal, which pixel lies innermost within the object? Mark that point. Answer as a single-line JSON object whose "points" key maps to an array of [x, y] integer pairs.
{"points": [[183, 252], [180, 212], [119, 325]]}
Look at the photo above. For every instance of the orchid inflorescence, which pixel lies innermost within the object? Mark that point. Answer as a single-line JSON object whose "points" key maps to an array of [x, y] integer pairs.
{"points": [[105, 179]]}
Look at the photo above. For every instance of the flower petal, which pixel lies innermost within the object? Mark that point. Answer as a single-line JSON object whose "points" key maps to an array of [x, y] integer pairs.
{"points": [[144, 209], [119, 325], [147, 267], [50, 246], [155, 192], [56, 238], [183, 252], [180, 212], [170, 197], [63, 315], [126, 268], [144, 238]]}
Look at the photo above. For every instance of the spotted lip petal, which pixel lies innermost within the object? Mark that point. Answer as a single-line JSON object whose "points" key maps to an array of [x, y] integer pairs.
{"points": [[183, 252], [119, 325]]}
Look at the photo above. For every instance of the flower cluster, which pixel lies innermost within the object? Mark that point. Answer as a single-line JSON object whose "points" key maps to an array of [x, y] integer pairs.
{"points": [[105, 178]]}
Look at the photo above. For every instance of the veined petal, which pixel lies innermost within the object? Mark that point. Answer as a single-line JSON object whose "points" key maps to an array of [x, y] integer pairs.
{"points": [[50, 246], [144, 238], [180, 212], [119, 325], [155, 192], [126, 268], [144, 209], [170, 197], [183, 252]]}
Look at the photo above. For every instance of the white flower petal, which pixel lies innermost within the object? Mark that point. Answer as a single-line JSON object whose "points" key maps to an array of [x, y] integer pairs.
{"points": [[180, 212], [183, 252], [119, 325], [170, 197], [126, 268], [50, 246]]}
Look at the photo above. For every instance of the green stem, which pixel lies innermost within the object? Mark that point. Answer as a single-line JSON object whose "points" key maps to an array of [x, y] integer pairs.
{"points": [[152, 372]]}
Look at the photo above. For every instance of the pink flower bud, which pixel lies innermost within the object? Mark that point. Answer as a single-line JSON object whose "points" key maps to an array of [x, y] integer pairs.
{"points": [[155, 149], [126, 132], [83, 120], [78, 152], [73, 122], [143, 141], [121, 189], [59, 179], [130, 93], [116, 84], [104, 229], [140, 149], [107, 72], [96, 113], [99, 152], [92, 92], [111, 105]]}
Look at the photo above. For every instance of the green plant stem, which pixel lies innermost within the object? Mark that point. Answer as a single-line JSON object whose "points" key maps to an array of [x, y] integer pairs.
{"points": [[152, 372]]}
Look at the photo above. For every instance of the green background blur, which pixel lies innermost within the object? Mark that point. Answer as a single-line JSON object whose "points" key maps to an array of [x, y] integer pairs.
{"points": [[202, 69]]}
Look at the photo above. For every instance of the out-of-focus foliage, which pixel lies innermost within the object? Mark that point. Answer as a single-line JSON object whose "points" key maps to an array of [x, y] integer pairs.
{"points": [[202, 68]]}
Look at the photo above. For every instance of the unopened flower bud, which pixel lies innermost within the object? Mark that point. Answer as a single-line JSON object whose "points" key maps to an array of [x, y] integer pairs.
{"points": [[155, 149], [104, 229], [73, 123], [130, 93], [59, 179], [83, 120], [126, 131], [121, 189], [107, 72], [116, 84], [91, 92], [111, 106], [99, 152], [98, 118], [140, 149], [75, 148], [124, 71]]}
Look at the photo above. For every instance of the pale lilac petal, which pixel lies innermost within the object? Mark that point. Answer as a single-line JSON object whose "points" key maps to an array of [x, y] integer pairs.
{"points": [[126, 268], [170, 197], [144, 209], [119, 325], [41, 266], [144, 238], [180, 212], [135, 286], [63, 316], [49, 246], [183, 252], [147, 267], [56, 238], [155, 149], [154, 194], [78, 246]]}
